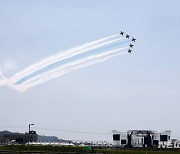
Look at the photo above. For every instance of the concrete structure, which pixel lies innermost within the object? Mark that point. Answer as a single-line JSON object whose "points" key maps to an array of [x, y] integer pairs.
{"points": [[141, 138], [119, 139]]}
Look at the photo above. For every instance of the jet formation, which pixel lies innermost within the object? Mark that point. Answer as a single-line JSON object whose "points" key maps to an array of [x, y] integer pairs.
{"points": [[128, 37]]}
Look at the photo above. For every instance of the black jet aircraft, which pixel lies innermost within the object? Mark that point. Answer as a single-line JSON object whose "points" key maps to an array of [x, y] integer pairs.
{"points": [[133, 39], [122, 33], [131, 45], [127, 36], [129, 51]]}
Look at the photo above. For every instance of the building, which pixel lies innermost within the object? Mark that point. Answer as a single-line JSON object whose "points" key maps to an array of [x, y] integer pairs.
{"points": [[7, 137], [141, 138], [119, 139]]}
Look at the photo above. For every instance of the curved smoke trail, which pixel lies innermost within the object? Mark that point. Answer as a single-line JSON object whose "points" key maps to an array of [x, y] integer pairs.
{"points": [[34, 75], [3, 80], [66, 68], [60, 56]]}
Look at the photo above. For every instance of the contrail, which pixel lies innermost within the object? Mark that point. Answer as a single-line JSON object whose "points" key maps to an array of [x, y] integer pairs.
{"points": [[58, 71], [3, 80], [50, 60], [65, 62], [1, 75], [61, 56], [62, 72], [74, 63]]}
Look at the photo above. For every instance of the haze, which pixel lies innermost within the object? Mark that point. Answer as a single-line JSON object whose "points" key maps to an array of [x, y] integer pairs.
{"points": [[132, 91]]}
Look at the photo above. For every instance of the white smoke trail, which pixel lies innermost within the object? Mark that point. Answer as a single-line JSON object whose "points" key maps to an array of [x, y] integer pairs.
{"points": [[58, 71], [1, 75], [27, 78], [83, 60], [61, 56], [55, 75], [22, 74], [3, 80]]}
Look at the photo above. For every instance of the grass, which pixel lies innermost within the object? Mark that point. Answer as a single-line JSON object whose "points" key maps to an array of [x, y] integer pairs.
{"points": [[75, 149]]}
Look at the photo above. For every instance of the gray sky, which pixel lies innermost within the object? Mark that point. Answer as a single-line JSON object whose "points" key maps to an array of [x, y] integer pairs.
{"points": [[137, 91]]}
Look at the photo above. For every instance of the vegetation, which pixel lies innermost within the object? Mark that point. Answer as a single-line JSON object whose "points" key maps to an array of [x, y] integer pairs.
{"points": [[138, 151], [77, 149], [41, 148]]}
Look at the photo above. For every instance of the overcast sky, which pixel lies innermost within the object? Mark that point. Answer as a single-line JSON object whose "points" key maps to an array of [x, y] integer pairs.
{"points": [[137, 91]]}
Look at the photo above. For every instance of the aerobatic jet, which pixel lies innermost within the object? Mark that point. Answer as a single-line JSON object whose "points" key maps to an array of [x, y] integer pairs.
{"points": [[122, 33], [131, 45], [127, 36], [129, 51], [133, 39]]}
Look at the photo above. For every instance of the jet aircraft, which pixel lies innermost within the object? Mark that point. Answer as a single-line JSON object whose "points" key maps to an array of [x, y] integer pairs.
{"points": [[131, 45], [122, 33], [129, 51], [127, 36], [133, 39]]}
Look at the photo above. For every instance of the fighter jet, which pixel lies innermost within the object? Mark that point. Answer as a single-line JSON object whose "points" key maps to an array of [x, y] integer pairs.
{"points": [[127, 36], [133, 39], [131, 45], [122, 33], [129, 51]]}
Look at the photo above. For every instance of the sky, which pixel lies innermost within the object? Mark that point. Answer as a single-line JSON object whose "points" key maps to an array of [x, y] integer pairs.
{"points": [[137, 91]]}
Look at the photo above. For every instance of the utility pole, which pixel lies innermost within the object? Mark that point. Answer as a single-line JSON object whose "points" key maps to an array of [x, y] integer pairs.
{"points": [[29, 132]]}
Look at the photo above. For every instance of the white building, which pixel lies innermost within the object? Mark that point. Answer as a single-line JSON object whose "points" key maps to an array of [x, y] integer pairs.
{"points": [[141, 138], [119, 138]]}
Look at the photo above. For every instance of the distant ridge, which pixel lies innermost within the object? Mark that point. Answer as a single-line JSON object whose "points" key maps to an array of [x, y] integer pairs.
{"points": [[43, 138]]}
